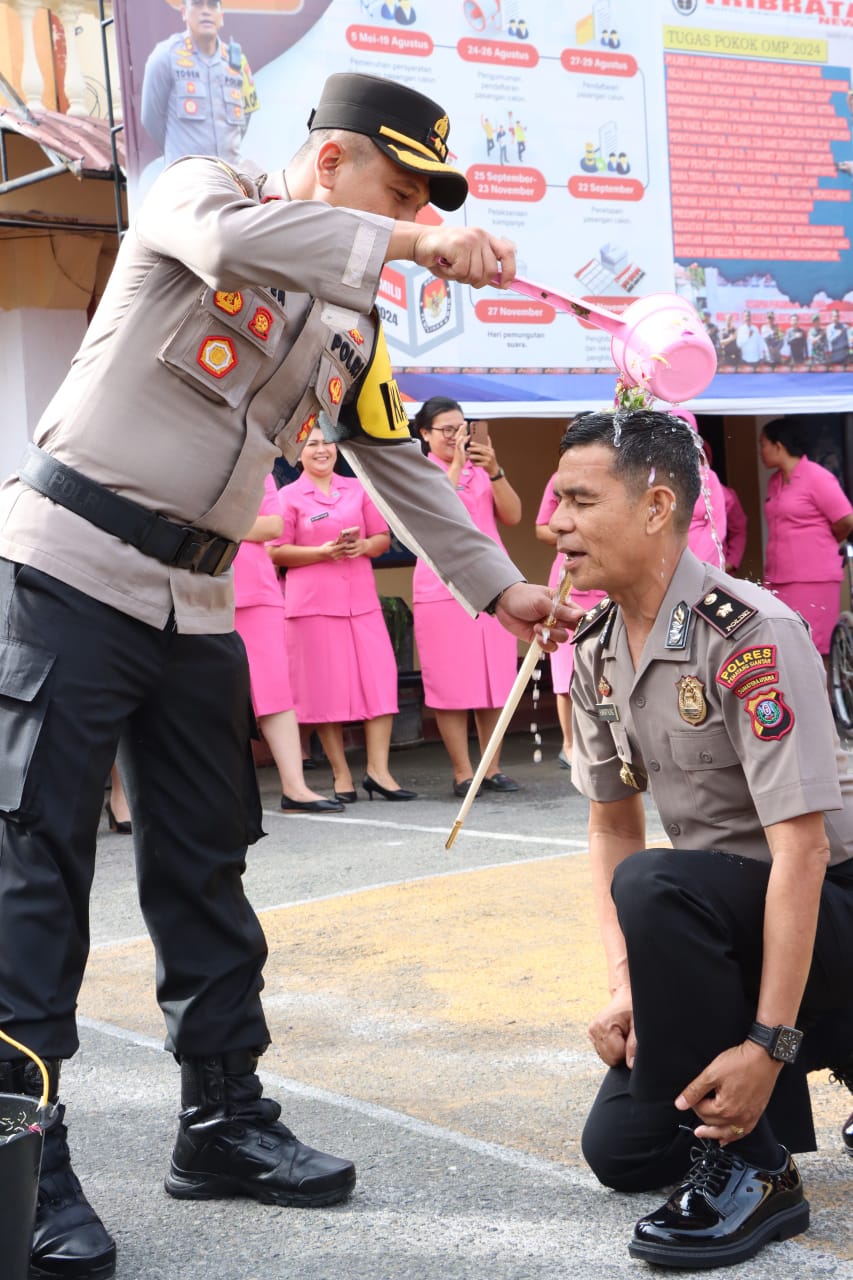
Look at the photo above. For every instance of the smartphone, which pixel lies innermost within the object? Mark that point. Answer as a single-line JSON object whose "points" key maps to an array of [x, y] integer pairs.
{"points": [[348, 535], [478, 432]]}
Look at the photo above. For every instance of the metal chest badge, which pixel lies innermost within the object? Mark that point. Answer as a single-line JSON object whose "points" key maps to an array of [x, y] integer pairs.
{"points": [[692, 706]]}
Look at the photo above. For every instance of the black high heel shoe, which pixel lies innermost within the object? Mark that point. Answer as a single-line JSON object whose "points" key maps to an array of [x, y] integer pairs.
{"points": [[120, 828], [346, 797], [400, 794]]}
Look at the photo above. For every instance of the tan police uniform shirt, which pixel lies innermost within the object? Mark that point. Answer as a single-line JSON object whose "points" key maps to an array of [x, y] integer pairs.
{"points": [[726, 718], [207, 357]]}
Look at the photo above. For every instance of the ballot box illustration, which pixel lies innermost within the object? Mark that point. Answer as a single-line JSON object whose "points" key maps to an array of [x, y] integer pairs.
{"points": [[418, 310]]}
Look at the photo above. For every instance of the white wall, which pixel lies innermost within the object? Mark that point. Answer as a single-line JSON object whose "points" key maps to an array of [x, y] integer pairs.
{"points": [[36, 347]]}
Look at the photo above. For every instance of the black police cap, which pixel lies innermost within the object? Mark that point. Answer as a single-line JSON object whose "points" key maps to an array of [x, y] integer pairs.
{"points": [[409, 127]]}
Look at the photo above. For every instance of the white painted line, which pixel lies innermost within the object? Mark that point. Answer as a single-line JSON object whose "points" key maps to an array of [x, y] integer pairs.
{"points": [[382, 1115], [468, 834]]}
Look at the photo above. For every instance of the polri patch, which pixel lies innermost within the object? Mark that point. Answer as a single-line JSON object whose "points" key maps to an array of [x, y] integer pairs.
{"points": [[723, 611], [770, 716], [745, 663]]}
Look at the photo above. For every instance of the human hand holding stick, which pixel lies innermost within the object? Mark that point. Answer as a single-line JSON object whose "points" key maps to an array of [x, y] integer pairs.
{"points": [[525, 671]]}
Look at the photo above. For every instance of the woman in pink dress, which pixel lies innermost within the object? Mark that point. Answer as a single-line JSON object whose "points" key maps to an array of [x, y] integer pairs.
{"points": [[563, 657], [466, 663], [259, 620], [342, 665], [807, 515], [706, 536]]}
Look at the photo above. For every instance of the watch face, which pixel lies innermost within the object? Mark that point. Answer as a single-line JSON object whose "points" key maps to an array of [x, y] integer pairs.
{"points": [[787, 1044]]}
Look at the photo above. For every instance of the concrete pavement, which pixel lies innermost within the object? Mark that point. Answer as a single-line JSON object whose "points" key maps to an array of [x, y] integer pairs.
{"points": [[428, 1011]]}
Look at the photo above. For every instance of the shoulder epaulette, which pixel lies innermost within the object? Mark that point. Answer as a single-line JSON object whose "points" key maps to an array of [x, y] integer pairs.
{"points": [[723, 611], [591, 621]]}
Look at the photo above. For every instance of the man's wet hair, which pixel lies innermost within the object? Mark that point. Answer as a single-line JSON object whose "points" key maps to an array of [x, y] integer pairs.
{"points": [[643, 441]]}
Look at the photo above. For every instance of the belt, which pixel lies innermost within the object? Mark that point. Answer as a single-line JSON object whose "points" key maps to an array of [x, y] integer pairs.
{"points": [[180, 545]]}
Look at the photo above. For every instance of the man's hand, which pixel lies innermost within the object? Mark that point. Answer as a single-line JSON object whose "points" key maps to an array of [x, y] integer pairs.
{"points": [[612, 1031], [523, 609], [467, 254], [731, 1094]]}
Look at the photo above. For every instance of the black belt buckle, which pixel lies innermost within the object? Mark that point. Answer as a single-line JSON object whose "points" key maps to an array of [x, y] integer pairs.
{"points": [[205, 553]]}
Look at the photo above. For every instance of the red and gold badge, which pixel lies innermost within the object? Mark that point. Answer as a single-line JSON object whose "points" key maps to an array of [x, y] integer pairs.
{"points": [[307, 427], [604, 688], [217, 356], [336, 390], [190, 107], [770, 716], [357, 336], [230, 303], [189, 87], [261, 323]]}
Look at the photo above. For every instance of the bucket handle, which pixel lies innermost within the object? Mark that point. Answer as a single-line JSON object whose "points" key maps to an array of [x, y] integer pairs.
{"points": [[22, 1048]]}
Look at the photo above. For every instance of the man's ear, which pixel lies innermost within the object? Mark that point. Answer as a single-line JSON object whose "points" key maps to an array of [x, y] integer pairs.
{"points": [[661, 508], [327, 163]]}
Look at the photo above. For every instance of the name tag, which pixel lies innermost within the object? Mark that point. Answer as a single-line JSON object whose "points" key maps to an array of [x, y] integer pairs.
{"points": [[607, 711], [324, 515]]}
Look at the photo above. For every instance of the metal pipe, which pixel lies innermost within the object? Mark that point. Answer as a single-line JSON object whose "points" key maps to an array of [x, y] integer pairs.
{"points": [[118, 179], [42, 175]]}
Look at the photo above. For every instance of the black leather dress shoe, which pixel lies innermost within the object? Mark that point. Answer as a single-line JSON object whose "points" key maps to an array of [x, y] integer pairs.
{"points": [[310, 806], [69, 1239], [231, 1143], [346, 797], [462, 788], [389, 793], [500, 782], [723, 1213]]}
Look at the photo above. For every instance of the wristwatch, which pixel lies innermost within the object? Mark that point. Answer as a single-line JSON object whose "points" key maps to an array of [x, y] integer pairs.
{"points": [[499, 475], [782, 1043]]}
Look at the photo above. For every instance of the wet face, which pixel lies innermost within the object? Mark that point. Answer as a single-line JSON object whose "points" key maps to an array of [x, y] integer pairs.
{"points": [[364, 178], [317, 457], [442, 434], [204, 19], [600, 524]]}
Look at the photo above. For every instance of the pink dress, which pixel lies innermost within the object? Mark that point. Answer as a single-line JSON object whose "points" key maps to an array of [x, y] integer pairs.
{"points": [[736, 526], [802, 565], [259, 619], [563, 658], [466, 663], [700, 536], [342, 666]]}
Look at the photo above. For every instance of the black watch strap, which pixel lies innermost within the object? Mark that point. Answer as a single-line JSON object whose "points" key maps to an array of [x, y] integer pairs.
{"points": [[782, 1043]]}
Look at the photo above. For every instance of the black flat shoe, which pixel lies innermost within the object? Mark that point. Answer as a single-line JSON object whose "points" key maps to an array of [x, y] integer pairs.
{"points": [[500, 782], [462, 788], [346, 797], [723, 1213], [400, 794], [310, 806], [120, 828]]}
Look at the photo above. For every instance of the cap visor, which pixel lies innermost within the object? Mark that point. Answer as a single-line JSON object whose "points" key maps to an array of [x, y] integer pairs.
{"points": [[448, 188]]}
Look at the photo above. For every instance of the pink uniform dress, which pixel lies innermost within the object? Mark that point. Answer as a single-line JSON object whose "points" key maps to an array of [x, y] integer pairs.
{"points": [[736, 526], [802, 564], [563, 658], [466, 663], [700, 536], [259, 619], [342, 665]]}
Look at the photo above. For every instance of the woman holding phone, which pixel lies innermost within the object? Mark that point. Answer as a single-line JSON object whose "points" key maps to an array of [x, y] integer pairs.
{"points": [[342, 666], [467, 664]]}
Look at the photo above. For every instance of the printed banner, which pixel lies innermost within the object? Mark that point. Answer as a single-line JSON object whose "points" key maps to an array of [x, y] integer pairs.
{"points": [[694, 146]]}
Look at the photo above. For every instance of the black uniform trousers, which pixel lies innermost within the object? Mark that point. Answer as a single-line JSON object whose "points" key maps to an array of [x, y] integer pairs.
{"points": [[693, 921], [75, 677]]}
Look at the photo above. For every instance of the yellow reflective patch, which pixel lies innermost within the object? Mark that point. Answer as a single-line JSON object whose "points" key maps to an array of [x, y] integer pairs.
{"points": [[380, 408]]}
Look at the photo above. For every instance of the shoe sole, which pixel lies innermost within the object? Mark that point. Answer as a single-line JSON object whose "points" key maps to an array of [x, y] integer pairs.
{"points": [[199, 1186], [697, 1257], [68, 1272]]}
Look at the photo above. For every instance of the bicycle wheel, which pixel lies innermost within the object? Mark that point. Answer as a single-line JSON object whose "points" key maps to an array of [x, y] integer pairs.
{"points": [[841, 674]]}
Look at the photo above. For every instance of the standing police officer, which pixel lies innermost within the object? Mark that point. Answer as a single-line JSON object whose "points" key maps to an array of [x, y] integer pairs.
{"points": [[197, 92], [241, 306], [725, 948]]}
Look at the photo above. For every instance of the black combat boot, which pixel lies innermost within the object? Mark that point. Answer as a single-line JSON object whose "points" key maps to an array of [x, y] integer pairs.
{"points": [[69, 1240], [231, 1142], [844, 1075]]}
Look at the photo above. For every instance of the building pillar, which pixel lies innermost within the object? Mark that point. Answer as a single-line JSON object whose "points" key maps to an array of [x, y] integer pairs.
{"points": [[32, 83], [75, 85]]}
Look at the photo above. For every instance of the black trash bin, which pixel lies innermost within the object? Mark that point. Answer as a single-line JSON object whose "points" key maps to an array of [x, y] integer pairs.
{"points": [[20, 1159]]}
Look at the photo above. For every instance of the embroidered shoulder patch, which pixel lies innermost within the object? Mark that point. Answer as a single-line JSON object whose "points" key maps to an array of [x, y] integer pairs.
{"points": [[749, 669], [723, 611], [770, 716], [594, 618]]}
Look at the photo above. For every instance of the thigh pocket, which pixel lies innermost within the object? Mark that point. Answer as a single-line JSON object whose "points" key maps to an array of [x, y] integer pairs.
{"points": [[23, 671]]}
